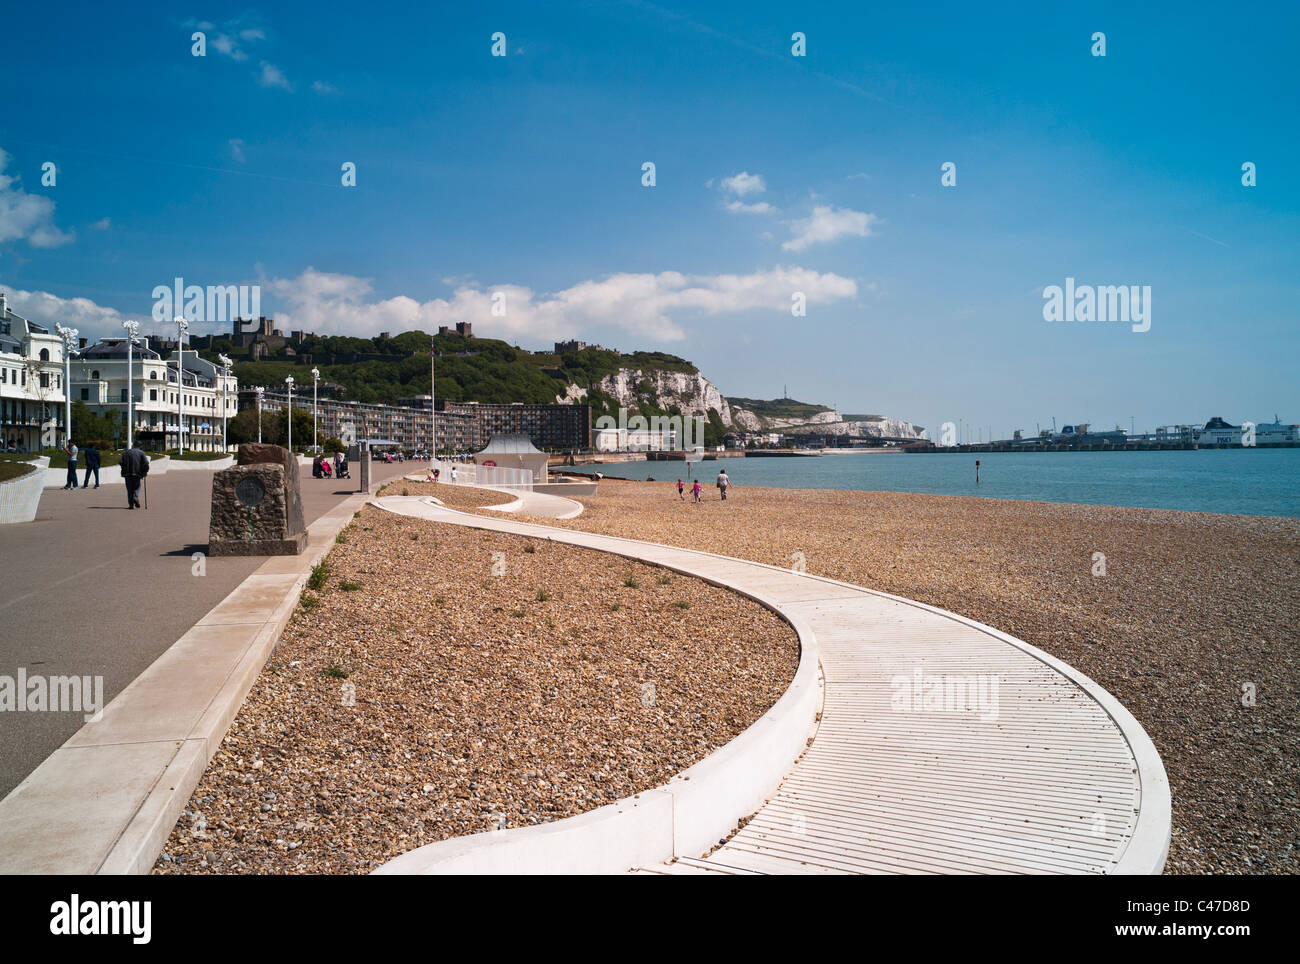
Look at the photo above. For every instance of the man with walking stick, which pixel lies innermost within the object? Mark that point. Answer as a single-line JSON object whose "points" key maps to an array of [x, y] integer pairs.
{"points": [[135, 466]]}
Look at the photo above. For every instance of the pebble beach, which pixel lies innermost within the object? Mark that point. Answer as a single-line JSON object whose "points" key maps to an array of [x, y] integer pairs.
{"points": [[440, 681], [489, 701]]}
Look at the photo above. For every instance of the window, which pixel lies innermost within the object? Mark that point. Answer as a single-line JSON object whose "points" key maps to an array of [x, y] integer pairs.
{"points": [[94, 376], [45, 379], [153, 394], [45, 354], [124, 394], [85, 394]]}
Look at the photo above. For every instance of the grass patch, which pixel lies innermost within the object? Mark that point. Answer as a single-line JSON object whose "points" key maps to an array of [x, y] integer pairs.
{"points": [[615, 607], [543, 595], [14, 470], [664, 579], [308, 602], [518, 614], [334, 671], [320, 574], [632, 582], [530, 548], [682, 604], [347, 586]]}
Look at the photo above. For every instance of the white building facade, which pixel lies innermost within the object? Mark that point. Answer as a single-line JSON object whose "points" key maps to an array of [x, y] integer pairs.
{"points": [[31, 383], [197, 410]]}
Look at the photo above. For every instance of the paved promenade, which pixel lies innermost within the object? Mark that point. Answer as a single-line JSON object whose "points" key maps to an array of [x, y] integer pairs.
{"points": [[943, 746], [93, 589]]}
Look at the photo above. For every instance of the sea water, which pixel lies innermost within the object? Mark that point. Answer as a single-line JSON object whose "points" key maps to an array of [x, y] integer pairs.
{"points": [[1238, 481]]}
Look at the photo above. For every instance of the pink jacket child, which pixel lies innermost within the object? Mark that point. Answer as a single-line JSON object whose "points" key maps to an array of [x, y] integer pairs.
{"points": [[696, 489]]}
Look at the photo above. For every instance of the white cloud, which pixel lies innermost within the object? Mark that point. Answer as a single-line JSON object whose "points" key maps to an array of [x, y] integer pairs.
{"points": [[103, 224], [90, 319], [642, 304], [744, 183], [236, 149], [740, 207], [648, 306], [273, 76], [27, 217], [228, 38], [323, 88], [827, 224]]}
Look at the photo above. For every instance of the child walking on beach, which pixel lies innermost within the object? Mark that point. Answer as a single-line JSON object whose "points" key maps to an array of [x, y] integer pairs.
{"points": [[696, 489], [681, 490]]}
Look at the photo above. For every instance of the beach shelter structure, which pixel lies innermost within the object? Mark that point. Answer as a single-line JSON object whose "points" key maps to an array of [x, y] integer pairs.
{"points": [[513, 452]]}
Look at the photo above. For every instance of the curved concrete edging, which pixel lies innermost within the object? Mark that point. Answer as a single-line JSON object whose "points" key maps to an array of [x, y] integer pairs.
{"points": [[684, 817], [1149, 846], [1144, 853], [529, 502], [21, 497]]}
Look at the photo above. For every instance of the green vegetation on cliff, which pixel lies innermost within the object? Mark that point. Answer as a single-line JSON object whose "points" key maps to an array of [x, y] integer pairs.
{"points": [[778, 407], [469, 369]]}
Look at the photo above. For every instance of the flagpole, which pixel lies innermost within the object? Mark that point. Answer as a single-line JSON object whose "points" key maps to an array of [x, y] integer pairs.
{"points": [[433, 409]]}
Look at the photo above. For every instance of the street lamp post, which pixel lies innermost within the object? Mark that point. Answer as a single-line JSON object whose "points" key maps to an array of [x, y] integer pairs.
{"points": [[225, 377], [181, 326], [289, 381], [132, 331], [69, 336], [259, 390], [315, 385]]}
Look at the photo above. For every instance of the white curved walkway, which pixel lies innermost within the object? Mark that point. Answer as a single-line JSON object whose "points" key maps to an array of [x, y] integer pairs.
{"points": [[944, 746]]}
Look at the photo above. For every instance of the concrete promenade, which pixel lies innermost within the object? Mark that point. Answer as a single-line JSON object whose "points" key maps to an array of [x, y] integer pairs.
{"points": [[93, 589]]}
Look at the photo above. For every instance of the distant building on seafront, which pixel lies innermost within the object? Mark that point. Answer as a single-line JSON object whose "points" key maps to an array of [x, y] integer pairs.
{"points": [[462, 426], [164, 410]]}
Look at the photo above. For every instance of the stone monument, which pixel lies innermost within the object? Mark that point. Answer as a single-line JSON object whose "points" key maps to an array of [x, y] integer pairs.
{"points": [[257, 506]]}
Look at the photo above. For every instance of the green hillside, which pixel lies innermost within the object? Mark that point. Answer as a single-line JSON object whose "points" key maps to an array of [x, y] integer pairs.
{"points": [[469, 369], [778, 407]]}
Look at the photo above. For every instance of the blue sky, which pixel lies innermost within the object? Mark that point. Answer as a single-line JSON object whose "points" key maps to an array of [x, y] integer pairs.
{"points": [[522, 174]]}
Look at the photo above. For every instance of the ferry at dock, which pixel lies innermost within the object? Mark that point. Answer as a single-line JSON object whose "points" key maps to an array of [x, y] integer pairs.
{"points": [[1219, 432]]}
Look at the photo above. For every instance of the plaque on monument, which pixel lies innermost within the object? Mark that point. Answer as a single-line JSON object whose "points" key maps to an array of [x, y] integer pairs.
{"points": [[257, 506]]}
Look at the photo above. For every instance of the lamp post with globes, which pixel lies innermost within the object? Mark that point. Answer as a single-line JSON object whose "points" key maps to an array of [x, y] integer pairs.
{"points": [[181, 326], [259, 390], [315, 387], [289, 381], [132, 336], [225, 406], [69, 336]]}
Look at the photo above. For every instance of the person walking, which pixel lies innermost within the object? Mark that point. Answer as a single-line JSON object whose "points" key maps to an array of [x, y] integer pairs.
{"points": [[70, 450], [135, 466], [338, 465], [696, 489], [453, 473], [92, 464], [724, 483], [681, 489]]}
